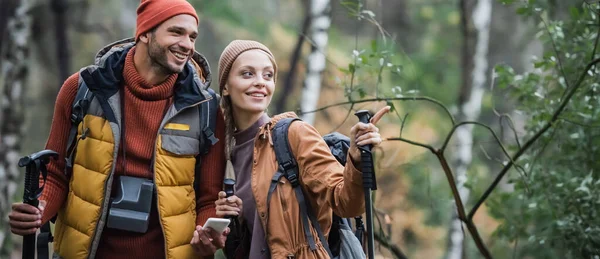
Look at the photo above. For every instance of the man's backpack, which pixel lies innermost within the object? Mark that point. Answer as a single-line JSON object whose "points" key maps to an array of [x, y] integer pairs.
{"points": [[343, 242]]}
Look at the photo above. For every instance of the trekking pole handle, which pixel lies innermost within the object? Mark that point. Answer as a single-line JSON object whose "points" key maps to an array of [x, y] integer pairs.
{"points": [[366, 156], [364, 116], [33, 164], [228, 187]]}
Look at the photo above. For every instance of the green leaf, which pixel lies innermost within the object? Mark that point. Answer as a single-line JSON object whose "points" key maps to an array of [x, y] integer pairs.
{"points": [[364, 59], [373, 45], [523, 10], [539, 64], [574, 12], [361, 92], [391, 104]]}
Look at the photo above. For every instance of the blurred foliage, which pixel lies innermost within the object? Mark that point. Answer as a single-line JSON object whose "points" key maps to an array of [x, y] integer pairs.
{"points": [[554, 209], [551, 210]]}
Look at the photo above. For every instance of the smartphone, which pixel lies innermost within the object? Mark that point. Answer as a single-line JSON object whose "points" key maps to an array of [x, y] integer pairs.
{"points": [[217, 224]]}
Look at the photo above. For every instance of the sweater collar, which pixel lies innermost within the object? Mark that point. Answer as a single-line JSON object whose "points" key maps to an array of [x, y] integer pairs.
{"points": [[106, 75], [248, 134], [140, 87]]}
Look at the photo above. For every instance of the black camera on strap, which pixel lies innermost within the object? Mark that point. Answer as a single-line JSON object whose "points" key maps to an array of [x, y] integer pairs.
{"points": [[130, 208]]}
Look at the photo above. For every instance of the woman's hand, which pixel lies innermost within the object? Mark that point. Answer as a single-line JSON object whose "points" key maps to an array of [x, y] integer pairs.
{"points": [[206, 241], [365, 134], [231, 206]]}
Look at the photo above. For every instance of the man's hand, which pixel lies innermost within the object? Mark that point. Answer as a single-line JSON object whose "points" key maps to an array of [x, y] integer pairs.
{"points": [[25, 219], [206, 241]]}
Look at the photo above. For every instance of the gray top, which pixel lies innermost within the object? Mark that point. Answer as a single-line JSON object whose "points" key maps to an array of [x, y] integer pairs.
{"points": [[241, 158]]}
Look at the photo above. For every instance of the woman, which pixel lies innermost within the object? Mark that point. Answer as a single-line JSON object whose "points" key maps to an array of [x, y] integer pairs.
{"points": [[247, 74]]}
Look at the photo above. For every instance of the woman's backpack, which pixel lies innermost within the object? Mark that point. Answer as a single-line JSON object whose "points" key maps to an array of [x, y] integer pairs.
{"points": [[343, 242]]}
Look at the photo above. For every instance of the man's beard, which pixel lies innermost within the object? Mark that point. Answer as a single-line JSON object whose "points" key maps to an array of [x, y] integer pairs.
{"points": [[158, 58]]}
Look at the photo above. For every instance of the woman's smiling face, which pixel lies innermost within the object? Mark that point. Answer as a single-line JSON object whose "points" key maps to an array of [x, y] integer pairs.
{"points": [[250, 83]]}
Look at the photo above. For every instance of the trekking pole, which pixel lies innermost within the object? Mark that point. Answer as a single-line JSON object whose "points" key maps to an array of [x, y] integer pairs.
{"points": [[229, 184], [34, 164], [369, 183]]}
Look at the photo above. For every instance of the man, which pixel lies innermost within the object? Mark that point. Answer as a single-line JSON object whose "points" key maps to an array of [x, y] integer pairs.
{"points": [[142, 123]]}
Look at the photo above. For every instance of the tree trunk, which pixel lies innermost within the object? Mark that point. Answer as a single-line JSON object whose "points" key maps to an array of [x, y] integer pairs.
{"points": [[469, 107], [320, 11], [59, 7], [13, 73], [7, 10], [290, 79]]}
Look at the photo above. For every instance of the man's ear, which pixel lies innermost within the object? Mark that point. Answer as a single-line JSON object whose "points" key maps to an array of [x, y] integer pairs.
{"points": [[144, 37]]}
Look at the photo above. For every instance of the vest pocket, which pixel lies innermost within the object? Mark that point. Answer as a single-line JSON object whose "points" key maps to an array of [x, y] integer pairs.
{"points": [[180, 145]]}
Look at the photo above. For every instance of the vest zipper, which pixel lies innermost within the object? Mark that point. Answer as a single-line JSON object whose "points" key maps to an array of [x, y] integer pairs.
{"points": [[153, 162], [103, 211]]}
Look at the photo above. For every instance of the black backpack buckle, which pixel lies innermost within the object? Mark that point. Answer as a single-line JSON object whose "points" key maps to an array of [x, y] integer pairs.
{"points": [[208, 133], [78, 110]]}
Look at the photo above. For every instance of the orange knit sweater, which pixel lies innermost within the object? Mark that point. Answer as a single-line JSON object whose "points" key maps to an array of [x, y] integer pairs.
{"points": [[144, 108]]}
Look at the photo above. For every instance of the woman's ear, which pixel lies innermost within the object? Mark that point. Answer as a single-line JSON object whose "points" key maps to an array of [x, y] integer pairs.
{"points": [[225, 92]]}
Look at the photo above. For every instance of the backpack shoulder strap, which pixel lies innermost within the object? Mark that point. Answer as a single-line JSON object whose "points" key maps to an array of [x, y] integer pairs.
{"points": [[285, 158], [207, 112], [288, 167], [79, 109], [208, 120]]}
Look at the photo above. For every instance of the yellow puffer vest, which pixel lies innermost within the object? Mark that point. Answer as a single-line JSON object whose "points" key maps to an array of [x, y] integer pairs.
{"points": [[82, 218]]}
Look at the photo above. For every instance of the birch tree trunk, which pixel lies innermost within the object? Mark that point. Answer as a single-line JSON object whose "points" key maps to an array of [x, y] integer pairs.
{"points": [[13, 73], [320, 11], [469, 108]]}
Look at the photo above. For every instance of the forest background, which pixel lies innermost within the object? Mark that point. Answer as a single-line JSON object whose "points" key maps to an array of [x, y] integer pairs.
{"points": [[493, 142]]}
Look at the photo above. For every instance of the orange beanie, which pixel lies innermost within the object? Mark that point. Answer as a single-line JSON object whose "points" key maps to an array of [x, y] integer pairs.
{"points": [[151, 13]]}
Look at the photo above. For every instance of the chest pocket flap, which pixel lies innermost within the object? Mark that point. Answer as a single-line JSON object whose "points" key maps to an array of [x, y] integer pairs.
{"points": [[180, 145]]}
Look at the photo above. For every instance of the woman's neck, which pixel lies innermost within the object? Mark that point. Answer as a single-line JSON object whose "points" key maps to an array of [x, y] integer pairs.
{"points": [[245, 120]]}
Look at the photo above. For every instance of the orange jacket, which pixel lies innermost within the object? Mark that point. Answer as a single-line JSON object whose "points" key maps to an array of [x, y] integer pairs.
{"points": [[326, 184]]}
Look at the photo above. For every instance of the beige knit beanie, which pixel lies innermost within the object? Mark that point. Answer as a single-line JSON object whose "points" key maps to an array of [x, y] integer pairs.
{"points": [[232, 51]]}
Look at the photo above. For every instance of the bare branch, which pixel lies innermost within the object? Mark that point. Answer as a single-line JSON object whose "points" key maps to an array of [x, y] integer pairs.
{"points": [[345, 118], [558, 59], [432, 149], [481, 125], [460, 206], [415, 98], [521, 169], [503, 116], [385, 242], [543, 149], [580, 123], [403, 122], [598, 33], [511, 125]]}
